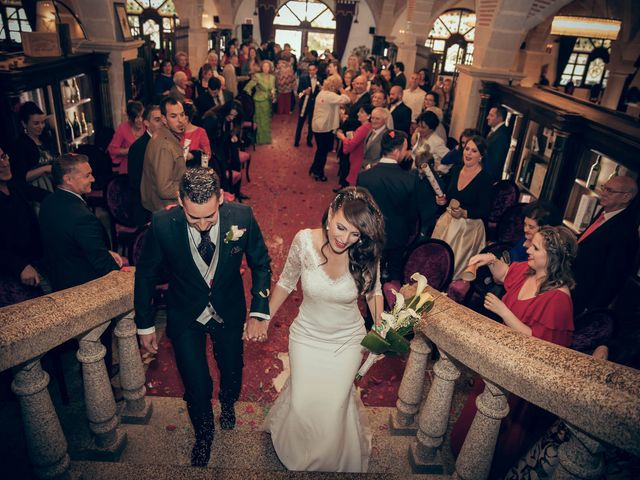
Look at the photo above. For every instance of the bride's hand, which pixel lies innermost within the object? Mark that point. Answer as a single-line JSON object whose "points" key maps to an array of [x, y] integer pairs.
{"points": [[256, 330]]}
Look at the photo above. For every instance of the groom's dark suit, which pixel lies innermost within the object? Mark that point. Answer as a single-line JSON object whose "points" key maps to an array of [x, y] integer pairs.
{"points": [[167, 246], [307, 114]]}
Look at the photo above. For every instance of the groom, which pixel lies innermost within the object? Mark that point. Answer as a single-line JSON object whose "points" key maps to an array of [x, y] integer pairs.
{"points": [[200, 245]]}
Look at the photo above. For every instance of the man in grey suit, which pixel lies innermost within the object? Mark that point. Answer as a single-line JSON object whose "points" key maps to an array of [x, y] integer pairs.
{"points": [[379, 119]]}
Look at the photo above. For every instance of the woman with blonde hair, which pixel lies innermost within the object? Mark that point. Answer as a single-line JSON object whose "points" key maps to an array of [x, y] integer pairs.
{"points": [[263, 97], [325, 121]]}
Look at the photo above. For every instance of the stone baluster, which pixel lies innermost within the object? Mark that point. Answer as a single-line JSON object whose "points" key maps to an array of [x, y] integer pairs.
{"points": [[425, 452], [402, 420], [108, 441], [46, 443], [580, 457], [476, 455], [137, 408]]}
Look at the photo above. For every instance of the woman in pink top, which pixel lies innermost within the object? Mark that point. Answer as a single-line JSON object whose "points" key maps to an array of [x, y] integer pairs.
{"points": [[197, 138], [126, 133], [354, 145]]}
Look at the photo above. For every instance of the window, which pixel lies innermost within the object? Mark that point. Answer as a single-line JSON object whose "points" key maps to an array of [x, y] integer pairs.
{"points": [[156, 19], [301, 23], [587, 64], [451, 40], [13, 21]]}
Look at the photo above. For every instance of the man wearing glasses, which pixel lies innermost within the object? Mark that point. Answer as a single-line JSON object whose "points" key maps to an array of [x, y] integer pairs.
{"points": [[607, 248]]}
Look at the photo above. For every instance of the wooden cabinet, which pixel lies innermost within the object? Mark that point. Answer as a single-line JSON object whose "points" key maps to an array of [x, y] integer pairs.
{"points": [[556, 141]]}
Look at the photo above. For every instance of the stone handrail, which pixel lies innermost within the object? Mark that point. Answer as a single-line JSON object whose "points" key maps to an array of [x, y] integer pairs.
{"points": [[599, 400], [34, 327], [31, 329]]}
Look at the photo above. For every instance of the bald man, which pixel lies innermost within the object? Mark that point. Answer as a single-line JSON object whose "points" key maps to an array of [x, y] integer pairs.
{"points": [[361, 97], [607, 248], [399, 111]]}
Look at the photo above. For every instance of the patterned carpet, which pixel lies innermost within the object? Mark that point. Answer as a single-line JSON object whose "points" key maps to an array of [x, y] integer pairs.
{"points": [[284, 199]]}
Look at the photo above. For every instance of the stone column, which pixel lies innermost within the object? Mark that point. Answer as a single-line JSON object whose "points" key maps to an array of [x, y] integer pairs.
{"points": [[46, 443], [402, 420], [407, 49], [137, 408], [580, 457], [108, 441], [424, 454], [474, 461]]}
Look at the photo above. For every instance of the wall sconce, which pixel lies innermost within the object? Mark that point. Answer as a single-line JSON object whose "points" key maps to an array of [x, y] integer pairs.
{"points": [[46, 17]]}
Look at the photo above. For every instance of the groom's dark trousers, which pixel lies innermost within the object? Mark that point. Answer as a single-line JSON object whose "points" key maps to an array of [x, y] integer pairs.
{"points": [[166, 246]]}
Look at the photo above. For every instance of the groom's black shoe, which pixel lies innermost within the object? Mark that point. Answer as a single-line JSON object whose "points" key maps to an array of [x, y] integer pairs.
{"points": [[227, 416], [202, 450]]}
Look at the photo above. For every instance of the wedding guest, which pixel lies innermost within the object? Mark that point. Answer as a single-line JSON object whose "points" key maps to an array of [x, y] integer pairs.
{"points": [[252, 64], [33, 151], [537, 303], [326, 119], [230, 75], [354, 144], [195, 138], [206, 72], [164, 80], [318, 422], [126, 134], [285, 83], [425, 137], [413, 97], [182, 65], [264, 96], [179, 89]]}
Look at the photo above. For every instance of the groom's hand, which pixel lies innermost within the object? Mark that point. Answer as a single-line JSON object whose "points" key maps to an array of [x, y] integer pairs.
{"points": [[149, 342], [256, 330]]}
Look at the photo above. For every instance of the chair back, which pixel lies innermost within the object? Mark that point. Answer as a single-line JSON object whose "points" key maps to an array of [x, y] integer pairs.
{"points": [[248, 108], [136, 245], [505, 195], [592, 328], [433, 259], [484, 280], [12, 291], [119, 200], [511, 224]]}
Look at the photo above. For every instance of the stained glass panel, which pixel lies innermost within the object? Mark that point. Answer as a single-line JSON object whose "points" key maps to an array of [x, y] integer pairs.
{"points": [[452, 58], [583, 45], [438, 45], [156, 3], [451, 21], [168, 9], [133, 7], [286, 17], [467, 22], [325, 20], [151, 28], [582, 59], [471, 35], [595, 71], [439, 30]]}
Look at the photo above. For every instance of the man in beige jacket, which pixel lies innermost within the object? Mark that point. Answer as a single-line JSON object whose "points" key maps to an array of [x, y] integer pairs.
{"points": [[164, 162]]}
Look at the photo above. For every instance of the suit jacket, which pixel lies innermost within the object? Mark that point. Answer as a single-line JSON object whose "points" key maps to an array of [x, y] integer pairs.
{"points": [[304, 83], [136, 163], [400, 80], [167, 246], [352, 122], [403, 199], [163, 168], [402, 118], [372, 148], [76, 244], [497, 148], [604, 262], [205, 102]]}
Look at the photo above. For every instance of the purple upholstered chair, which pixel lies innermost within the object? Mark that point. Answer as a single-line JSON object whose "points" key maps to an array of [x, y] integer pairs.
{"points": [[592, 329], [12, 291], [511, 224], [248, 126], [119, 201], [433, 259], [505, 195]]}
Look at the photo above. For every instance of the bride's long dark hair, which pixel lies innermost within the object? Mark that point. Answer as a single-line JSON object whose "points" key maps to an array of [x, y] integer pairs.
{"points": [[360, 210]]}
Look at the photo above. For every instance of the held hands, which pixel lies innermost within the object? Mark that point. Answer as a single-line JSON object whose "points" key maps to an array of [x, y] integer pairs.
{"points": [[118, 259], [29, 276], [458, 212], [255, 330], [149, 342], [441, 200], [495, 305]]}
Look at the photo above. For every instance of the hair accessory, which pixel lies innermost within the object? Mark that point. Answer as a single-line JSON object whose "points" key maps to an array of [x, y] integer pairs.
{"points": [[392, 134]]}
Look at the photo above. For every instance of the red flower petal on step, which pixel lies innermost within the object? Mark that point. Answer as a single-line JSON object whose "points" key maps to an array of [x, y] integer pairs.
{"points": [[250, 409], [170, 428]]}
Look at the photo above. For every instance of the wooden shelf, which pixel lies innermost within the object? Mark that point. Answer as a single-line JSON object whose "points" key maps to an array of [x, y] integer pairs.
{"points": [[583, 184], [572, 226], [80, 139], [68, 106]]}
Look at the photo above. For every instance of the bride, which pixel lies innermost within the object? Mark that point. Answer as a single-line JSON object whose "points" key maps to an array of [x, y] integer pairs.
{"points": [[318, 422]]}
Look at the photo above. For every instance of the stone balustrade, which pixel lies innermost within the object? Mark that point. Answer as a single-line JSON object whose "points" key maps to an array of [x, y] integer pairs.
{"points": [[30, 329], [598, 400]]}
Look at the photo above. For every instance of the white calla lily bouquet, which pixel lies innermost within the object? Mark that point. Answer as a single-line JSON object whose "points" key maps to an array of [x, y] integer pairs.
{"points": [[412, 302]]}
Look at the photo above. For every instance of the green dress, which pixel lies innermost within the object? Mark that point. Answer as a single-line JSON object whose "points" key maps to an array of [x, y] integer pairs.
{"points": [[265, 86]]}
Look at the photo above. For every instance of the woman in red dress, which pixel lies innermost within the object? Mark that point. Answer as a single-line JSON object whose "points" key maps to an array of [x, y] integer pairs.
{"points": [[537, 302]]}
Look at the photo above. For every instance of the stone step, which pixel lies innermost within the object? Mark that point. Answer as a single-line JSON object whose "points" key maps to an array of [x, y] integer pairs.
{"points": [[110, 471]]}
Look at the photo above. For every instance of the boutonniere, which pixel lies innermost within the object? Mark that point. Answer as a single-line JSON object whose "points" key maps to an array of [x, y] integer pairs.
{"points": [[234, 234]]}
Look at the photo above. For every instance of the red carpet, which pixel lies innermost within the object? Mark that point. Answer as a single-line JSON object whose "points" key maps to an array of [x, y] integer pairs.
{"points": [[284, 199]]}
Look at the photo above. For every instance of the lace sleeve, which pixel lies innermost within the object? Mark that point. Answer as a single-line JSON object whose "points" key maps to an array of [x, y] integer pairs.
{"points": [[377, 289], [293, 266]]}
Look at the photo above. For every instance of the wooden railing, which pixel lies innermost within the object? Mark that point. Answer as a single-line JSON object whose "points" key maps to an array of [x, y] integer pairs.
{"points": [[598, 400], [29, 330]]}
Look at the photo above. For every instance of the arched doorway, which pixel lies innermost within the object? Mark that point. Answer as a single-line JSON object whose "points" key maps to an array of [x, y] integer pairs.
{"points": [[451, 41], [301, 23]]}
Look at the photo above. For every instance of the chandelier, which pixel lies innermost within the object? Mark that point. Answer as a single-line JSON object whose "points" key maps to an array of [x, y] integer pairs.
{"points": [[565, 25]]}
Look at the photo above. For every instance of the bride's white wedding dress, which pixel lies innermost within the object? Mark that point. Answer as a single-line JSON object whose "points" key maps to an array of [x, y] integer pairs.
{"points": [[318, 422]]}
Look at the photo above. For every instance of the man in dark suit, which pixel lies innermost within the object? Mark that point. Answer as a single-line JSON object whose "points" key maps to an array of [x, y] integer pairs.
{"points": [[498, 142], [152, 122], [607, 247], [399, 111], [399, 78], [403, 199], [308, 89], [215, 96], [360, 97], [200, 245], [76, 244]]}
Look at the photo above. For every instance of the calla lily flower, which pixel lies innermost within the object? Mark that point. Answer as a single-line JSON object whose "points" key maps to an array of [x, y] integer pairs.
{"points": [[424, 298], [422, 282], [399, 305]]}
